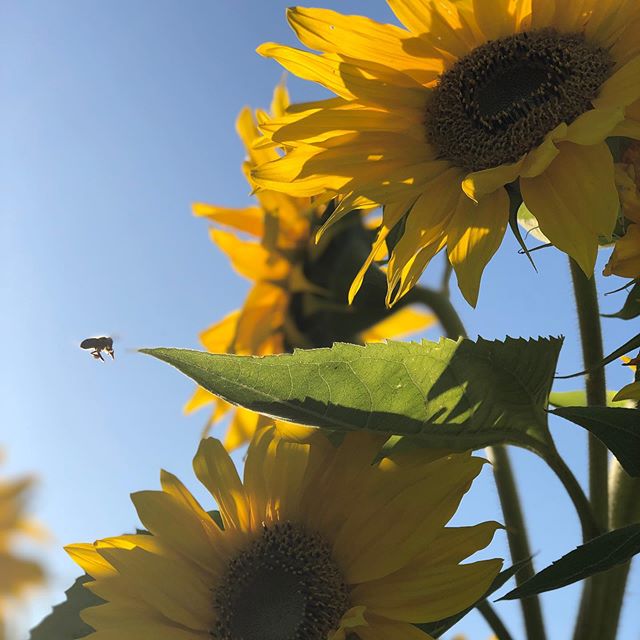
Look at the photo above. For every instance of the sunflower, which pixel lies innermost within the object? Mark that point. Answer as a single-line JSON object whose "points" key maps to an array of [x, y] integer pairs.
{"points": [[277, 259], [17, 574], [293, 554], [625, 259], [455, 120]]}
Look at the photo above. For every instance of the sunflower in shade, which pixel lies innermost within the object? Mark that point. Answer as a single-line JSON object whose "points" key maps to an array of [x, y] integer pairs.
{"points": [[456, 119], [17, 574], [295, 300], [293, 555]]}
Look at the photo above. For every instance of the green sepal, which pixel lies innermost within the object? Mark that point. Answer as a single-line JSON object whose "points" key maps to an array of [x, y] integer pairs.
{"points": [[631, 307]]}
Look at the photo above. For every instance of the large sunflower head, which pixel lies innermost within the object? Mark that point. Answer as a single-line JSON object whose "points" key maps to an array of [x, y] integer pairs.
{"points": [[454, 120], [294, 556], [17, 574], [298, 297]]}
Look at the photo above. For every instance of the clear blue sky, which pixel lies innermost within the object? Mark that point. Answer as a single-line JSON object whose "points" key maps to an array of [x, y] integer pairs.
{"points": [[114, 117]]}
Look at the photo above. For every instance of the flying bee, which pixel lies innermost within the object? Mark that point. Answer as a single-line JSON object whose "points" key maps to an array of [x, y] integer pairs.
{"points": [[98, 345]]}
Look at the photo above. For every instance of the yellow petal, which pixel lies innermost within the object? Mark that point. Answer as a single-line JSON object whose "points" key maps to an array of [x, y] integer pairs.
{"points": [[320, 125], [280, 101], [365, 40], [385, 629], [433, 594], [216, 471], [170, 586], [575, 200], [426, 222], [249, 219], [443, 25], [481, 183], [218, 338], [622, 88], [262, 317], [88, 558], [200, 398], [542, 13], [344, 79], [390, 531], [250, 259], [392, 215], [594, 126], [241, 430], [625, 259], [114, 615], [284, 469], [500, 18], [473, 236], [399, 325], [119, 622], [179, 527]]}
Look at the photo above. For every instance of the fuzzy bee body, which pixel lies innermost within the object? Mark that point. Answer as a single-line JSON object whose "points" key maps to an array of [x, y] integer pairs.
{"points": [[97, 345]]}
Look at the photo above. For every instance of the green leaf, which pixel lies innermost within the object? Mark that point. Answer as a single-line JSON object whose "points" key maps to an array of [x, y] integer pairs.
{"points": [[452, 394], [631, 307], [630, 345], [618, 429], [64, 622], [597, 555], [579, 399], [436, 629]]}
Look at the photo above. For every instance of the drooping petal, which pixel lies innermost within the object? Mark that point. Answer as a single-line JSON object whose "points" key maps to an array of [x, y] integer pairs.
{"points": [[625, 259], [426, 222], [474, 234], [571, 212]]}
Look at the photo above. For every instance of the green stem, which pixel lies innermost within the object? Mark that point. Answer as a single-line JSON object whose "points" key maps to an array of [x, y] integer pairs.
{"points": [[517, 537], [625, 510], [586, 297], [591, 612], [580, 501], [439, 303], [494, 621]]}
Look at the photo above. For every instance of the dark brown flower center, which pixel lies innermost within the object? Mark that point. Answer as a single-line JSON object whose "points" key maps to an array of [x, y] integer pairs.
{"points": [[284, 586], [499, 102]]}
